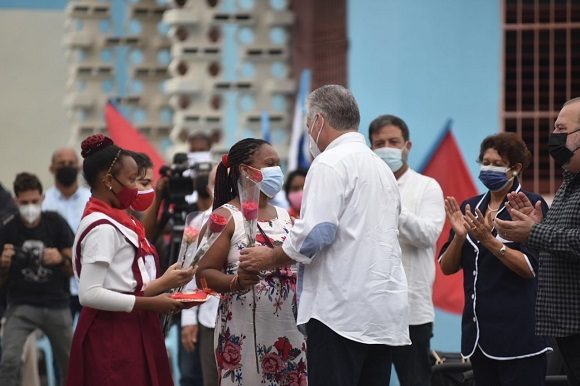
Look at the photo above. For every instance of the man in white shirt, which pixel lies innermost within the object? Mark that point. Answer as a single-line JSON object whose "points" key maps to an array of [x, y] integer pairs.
{"points": [[352, 290], [68, 198], [420, 224]]}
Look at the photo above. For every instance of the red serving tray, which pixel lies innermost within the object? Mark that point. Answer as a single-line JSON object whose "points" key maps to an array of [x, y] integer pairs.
{"points": [[197, 296]]}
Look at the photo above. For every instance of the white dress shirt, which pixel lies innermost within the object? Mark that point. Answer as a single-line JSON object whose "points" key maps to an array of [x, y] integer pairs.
{"points": [[420, 224], [71, 209], [351, 277]]}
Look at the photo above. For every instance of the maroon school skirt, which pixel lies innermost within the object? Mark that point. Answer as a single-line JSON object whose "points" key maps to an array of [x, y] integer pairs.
{"points": [[118, 348]]}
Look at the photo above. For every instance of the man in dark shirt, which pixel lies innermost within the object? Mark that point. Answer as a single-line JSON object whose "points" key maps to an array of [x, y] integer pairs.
{"points": [[35, 266], [557, 237]]}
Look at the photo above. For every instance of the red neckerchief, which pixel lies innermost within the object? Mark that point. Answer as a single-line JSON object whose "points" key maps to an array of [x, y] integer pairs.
{"points": [[123, 218]]}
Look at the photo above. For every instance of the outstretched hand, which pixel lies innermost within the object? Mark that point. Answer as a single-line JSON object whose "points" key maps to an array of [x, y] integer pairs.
{"points": [[256, 259], [175, 277]]}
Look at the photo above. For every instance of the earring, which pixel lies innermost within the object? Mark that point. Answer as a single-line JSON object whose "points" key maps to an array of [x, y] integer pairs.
{"points": [[515, 173]]}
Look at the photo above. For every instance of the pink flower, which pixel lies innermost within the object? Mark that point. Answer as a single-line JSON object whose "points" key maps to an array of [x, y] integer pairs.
{"points": [[250, 210], [217, 223], [190, 234], [230, 356], [272, 363]]}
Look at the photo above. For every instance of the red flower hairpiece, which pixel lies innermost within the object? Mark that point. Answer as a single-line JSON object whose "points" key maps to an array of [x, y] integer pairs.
{"points": [[226, 161], [94, 144]]}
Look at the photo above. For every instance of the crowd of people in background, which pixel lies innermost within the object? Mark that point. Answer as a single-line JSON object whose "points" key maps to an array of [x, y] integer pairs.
{"points": [[338, 287]]}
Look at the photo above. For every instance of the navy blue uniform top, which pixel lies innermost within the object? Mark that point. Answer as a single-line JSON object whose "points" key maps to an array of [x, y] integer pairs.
{"points": [[499, 304]]}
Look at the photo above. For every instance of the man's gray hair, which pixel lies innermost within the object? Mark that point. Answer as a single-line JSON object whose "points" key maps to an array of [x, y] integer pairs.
{"points": [[337, 105]]}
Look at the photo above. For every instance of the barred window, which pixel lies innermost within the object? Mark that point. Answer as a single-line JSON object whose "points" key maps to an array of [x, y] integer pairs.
{"points": [[541, 70]]}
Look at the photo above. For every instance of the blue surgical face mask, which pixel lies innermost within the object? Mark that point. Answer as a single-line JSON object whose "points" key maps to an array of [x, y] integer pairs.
{"points": [[494, 177], [392, 156], [272, 181]]}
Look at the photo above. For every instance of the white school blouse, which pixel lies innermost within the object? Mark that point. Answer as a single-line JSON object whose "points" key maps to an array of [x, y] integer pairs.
{"points": [[107, 256]]}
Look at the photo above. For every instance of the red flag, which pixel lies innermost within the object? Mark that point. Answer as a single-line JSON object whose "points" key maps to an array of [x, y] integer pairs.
{"points": [[127, 137], [446, 165]]}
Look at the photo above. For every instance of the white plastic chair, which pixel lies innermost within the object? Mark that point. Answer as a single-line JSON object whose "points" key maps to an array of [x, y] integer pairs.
{"points": [[43, 344]]}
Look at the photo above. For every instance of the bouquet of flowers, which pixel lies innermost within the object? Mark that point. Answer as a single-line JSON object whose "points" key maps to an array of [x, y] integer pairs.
{"points": [[249, 192], [191, 232], [191, 256], [214, 228]]}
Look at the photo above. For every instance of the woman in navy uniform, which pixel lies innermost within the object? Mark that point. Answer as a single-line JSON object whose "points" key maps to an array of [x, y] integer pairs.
{"points": [[499, 276]]}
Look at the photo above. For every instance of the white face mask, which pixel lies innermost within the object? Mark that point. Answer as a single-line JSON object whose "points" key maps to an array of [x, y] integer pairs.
{"points": [[313, 144], [30, 213], [392, 156]]}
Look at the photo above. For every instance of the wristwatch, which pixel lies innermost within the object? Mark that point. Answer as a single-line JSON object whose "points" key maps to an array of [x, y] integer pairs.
{"points": [[503, 250]]}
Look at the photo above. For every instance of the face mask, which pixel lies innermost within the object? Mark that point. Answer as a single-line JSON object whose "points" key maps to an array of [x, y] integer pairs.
{"points": [[66, 175], [312, 144], [272, 181], [557, 148], [494, 177], [126, 196], [392, 156], [143, 200], [30, 213], [295, 199]]}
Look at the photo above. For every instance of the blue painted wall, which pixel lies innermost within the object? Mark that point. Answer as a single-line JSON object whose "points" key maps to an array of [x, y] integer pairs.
{"points": [[34, 4], [427, 61]]}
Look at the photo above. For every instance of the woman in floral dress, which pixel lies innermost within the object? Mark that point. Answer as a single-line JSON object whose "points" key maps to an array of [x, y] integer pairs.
{"points": [[257, 341]]}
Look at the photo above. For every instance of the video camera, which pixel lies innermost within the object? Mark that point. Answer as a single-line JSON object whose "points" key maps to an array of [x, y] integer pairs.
{"points": [[186, 174], [30, 254], [182, 177]]}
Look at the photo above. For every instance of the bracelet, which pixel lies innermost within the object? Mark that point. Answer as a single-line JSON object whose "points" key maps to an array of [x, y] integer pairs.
{"points": [[235, 282], [232, 282]]}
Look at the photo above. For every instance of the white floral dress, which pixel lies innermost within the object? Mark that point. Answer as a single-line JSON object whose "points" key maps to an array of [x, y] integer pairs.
{"points": [[257, 342]]}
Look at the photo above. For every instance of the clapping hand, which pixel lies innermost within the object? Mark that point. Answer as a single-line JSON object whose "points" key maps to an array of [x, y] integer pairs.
{"points": [[455, 217], [516, 230], [478, 225], [520, 202]]}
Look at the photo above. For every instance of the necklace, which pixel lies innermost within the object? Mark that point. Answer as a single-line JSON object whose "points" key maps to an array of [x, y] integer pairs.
{"points": [[492, 210]]}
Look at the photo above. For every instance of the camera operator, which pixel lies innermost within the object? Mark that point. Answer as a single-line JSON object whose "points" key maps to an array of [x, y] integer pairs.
{"points": [[176, 194], [35, 267]]}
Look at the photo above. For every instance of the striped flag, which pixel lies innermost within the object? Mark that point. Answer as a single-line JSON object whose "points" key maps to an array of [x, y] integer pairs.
{"points": [[298, 153], [126, 136], [446, 165]]}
